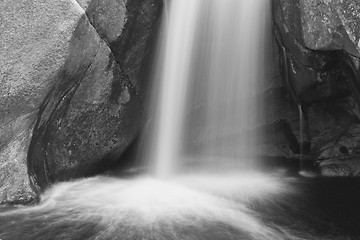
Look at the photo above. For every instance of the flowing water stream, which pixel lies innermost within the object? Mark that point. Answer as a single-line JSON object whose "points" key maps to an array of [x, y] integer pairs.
{"points": [[203, 179]]}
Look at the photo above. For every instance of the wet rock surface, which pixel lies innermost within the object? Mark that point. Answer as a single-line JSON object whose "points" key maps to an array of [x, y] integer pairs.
{"points": [[321, 24], [128, 27], [319, 48], [70, 104]]}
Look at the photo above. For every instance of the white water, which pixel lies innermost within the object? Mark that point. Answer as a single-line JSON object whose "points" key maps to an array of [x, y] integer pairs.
{"points": [[185, 207], [213, 56], [173, 73]]}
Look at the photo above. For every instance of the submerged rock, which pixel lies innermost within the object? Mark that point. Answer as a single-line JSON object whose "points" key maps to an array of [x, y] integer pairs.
{"points": [[68, 89]]}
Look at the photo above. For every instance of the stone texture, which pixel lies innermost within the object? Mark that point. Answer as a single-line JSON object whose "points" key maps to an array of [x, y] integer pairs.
{"points": [[348, 167], [329, 124], [14, 181], [129, 37], [94, 119], [280, 126], [67, 106], [108, 17], [34, 38], [94, 112], [34, 45], [319, 44], [321, 24]]}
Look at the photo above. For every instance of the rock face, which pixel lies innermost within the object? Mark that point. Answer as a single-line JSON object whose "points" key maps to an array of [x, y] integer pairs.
{"points": [[319, 46], [71, 90], [321, 24], [34, 45]]}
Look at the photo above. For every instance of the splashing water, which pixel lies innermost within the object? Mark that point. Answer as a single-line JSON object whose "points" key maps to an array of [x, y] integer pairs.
{"points": [[251, 206], [187, 207]]}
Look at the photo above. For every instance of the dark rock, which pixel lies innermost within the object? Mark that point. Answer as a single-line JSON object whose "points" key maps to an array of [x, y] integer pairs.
{"points": [[335, 167], [281, 126], [278, 140], [345, 146], [130, 36], [321, 24], [319, 43], [329, 123]]}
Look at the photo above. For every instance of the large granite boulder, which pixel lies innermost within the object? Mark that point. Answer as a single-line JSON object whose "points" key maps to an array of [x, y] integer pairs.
{"points": [[319, 45], [34, 45], [71, 88]]}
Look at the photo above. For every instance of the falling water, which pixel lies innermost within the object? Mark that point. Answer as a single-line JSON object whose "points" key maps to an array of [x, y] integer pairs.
{"points": [[212, 62], [209, 67], [174, 65], [301, 141]]}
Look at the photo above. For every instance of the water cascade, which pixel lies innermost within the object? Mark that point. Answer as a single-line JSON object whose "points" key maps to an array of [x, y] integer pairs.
{"points": [[213, 59], [173, 67], [210, 63]]}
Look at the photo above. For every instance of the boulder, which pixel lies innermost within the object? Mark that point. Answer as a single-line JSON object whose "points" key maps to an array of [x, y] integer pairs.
{"points": [[319, 45], [128, 36], [70, 102], [34, 45], [321, 24]]}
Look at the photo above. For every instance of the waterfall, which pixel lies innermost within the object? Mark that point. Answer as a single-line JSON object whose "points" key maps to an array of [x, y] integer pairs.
{"points": [[174, 73], [206, 107]]}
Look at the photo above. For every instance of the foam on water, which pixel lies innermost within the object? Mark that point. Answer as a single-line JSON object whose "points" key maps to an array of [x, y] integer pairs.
{"points": [[161, 209], [231, 206]]}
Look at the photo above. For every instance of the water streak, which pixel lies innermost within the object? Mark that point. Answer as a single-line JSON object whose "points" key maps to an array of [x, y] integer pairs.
{"points": [[301, 141], [213, 62], [173, 74]]}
